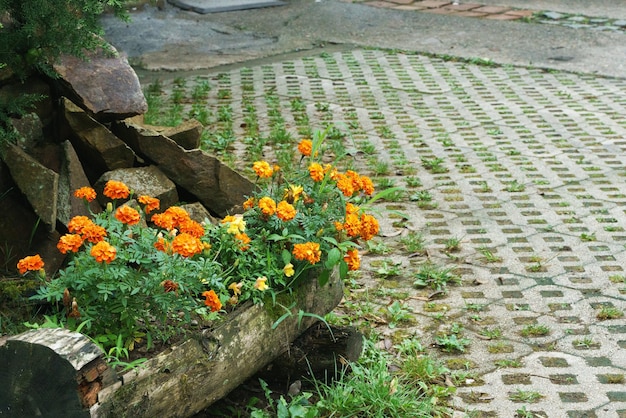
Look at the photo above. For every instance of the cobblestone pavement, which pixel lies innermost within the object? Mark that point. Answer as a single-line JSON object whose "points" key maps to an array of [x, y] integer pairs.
{"points": [[524, 168]]}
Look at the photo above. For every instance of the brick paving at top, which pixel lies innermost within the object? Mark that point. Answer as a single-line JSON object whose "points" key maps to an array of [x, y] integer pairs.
{"points": [[532, 185]]}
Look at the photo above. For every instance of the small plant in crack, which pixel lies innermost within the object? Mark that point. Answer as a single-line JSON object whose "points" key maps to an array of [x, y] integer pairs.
{"points": [[508, 363], [435, 277], [609, 312], [424, 199], [525, 413], [452, 343], [452, 245], [380, 168], [588, 237], [388, 268], [398, 312], [434, 165], [585, 343], [525, 396], [378, 247], [413, 242], [491, 333], [489, 256], [535, 330], [413, 181]]}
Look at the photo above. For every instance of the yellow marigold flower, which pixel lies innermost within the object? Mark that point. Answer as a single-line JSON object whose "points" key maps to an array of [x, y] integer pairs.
{"points": [[103, 252], [261, 284], [316, 171], [69, 243], [338, 226], [292, 194], [212, 300], [249, 203], [345, 184], [352, 225], [305, 147], [191, 227], [77, 223], [351, 208], [288, 270], [30, 263], [127, 215], [116, 190], [309, 251], [236, 224], [285, 211], [367, 185], [187, 245], [263, 169], [244, 241], [267, 205], [151, 203], [352, 259], [86, 193], [369, 227], [93, 233], [236, 288]]}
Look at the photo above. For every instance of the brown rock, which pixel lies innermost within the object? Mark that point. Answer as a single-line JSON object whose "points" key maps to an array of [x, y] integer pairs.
{"points": [[187, 134], [117, 93], [95, 143], [219, 188], [71, 177], [198, 213], [142, 181], [35, 86], [30, 130], [38, 183]]}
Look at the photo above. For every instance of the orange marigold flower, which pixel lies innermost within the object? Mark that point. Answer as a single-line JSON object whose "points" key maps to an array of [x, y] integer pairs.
{"points": [[309, 251], [169, 286], [367, 185], [78, 223], [187, 245], [305, 147], [162, 245], [30, 263], [151, 203], [267, 205], [338, 226], [127, 215], [351, 208], [191, 227], [103, 252], [352, 225], [249, 204], [116, 190], [178, 214], [285, 211], [345, 184], [244, 241], [369, 226], [93, 233], [212, 300], [86, 193], [352, 259], [70, 242], [263, 169], [355, 178], [163, 220], [316, 171]]}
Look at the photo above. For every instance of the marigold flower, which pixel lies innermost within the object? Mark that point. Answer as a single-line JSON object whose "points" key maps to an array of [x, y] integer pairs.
{"points": [[367, 185], [261, 284], [305, 147], [351, 208], [187, 245], [369, 227], [352, 259], [267, 205], [162, 245], [151, 203], [163, 220], [345, 184], [69, 242], [93, 233], [169, 286], [309, 251], [244, 241], [74, 313], [285, 211], [178, 214], [86, 193], [316, 171], [103, 252], [116, 190], [212, 300], [288, 270], [263, 169], [352, 225], [191, 227], [236, 224], [292, 194], [77, 223], [249, 203], [236, 288], [355, 178], [30, 263], [127, 215]]}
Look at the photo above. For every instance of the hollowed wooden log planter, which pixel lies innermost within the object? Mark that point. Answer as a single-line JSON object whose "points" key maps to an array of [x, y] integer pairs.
{"points": [[55, 372]]}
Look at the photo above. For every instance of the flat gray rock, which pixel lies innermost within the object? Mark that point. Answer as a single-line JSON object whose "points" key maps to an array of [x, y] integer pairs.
{"points": [[214, 6]]}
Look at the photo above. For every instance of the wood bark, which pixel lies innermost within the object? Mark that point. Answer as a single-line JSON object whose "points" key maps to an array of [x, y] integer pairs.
{"points": [[42, 372]]}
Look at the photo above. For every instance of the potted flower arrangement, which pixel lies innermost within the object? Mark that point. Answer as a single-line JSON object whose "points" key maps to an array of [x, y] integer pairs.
{"points": [[139, 274]]}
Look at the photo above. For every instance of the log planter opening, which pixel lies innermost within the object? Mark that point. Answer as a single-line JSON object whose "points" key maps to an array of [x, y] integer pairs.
{"points": [[55, 372]]}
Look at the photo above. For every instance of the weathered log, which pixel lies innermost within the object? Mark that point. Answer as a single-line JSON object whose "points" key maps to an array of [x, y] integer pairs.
{"points": [[179, 382]]}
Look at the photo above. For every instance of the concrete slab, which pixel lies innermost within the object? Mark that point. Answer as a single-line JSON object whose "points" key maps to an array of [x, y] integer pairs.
{"points": [[216, 6]]}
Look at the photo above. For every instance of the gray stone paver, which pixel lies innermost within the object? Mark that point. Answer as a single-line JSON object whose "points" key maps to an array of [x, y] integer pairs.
{"points": [[560, 235]]}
